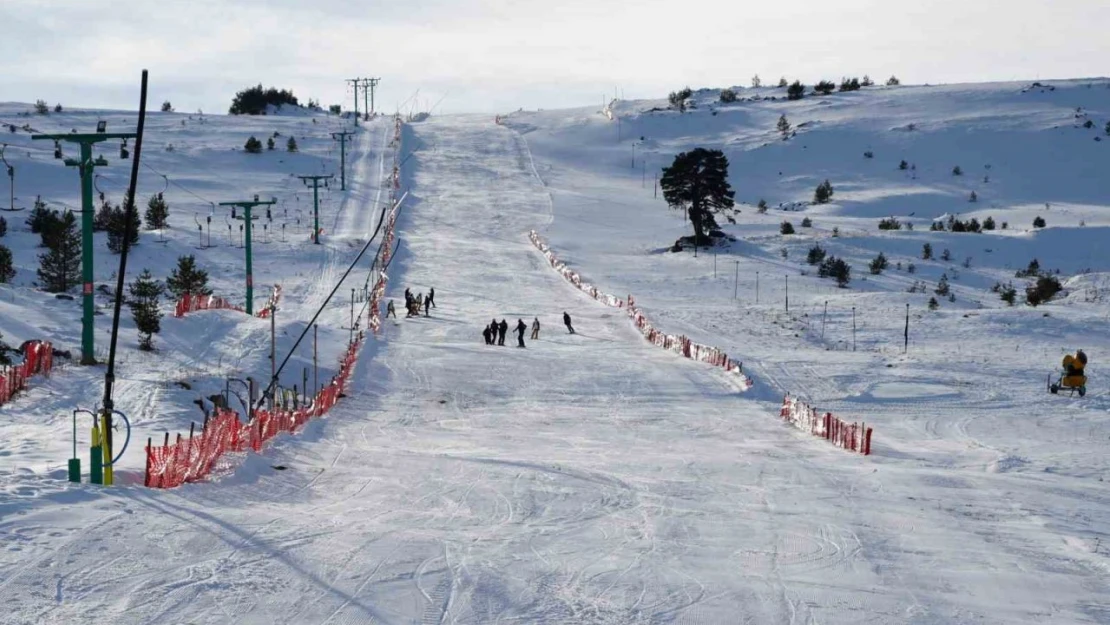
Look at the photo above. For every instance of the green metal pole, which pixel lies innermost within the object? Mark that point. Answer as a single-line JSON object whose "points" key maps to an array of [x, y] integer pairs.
{"points": [[343, 162], [316, 211], [88, 357], [250, 275]]}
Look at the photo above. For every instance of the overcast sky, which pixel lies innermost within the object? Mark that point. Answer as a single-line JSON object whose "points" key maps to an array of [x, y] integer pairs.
{"points": [[500, 55]]}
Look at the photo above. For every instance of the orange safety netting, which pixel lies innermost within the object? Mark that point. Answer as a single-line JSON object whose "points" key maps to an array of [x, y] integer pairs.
{"points": [[851, 436], [38, 358], [193, 458], [678, 344]]}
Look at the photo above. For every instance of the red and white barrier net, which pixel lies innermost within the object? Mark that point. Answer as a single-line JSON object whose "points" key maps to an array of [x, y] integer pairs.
{"points": [[678, 344], [38, 359], [194, 458], [852, 436], [192, 303]]}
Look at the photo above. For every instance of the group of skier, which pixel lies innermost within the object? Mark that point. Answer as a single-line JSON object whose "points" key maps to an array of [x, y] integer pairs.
{"points": [[413, 304], [495, 332]]}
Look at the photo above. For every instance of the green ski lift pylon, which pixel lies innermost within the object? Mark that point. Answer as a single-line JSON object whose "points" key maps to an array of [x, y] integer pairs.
{"points": [[86, 166], [247, 219]]}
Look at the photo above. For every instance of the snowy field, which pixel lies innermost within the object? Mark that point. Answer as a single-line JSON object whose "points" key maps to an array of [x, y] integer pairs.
{"points": [[592, 478]]}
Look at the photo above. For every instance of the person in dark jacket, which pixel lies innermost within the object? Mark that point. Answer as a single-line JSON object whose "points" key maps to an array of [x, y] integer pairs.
{"points": [[493, 332], [431, 297], [520, 328], [502, 329], [566, 321], [390, 310], [427, 305], [486, 334]]}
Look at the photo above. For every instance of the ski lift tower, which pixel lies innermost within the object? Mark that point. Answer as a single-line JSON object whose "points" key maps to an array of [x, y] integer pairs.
{"points": [[85, 165]]}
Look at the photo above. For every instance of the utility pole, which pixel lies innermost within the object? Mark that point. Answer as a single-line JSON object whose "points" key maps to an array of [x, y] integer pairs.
{"points": [[355, 83], [247, 219], [273, 354], [372, 83], [736, 281], [342, 137], [86, 165], [316, 202]]}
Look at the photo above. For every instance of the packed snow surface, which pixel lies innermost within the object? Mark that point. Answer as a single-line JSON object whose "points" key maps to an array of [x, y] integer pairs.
{"points": [[591, 478]]}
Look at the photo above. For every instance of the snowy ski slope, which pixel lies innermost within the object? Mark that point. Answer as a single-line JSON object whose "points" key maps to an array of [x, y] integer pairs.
{"points": [[592, 478]]}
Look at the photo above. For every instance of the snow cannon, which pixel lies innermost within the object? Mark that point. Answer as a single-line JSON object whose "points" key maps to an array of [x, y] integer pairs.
{"points": [[1073, 377]]}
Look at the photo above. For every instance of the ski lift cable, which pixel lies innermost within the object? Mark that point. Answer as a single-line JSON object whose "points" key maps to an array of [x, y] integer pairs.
{"points": [[381, 220]]}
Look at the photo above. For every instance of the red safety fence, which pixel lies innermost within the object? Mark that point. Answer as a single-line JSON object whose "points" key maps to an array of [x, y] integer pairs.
{"points": [[194, 458], [852, 436], [38, 359], [678, 344], [192, 303]]}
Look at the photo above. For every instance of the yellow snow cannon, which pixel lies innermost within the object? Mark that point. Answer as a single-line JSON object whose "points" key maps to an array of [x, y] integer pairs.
{"points": [[1073, 376]]}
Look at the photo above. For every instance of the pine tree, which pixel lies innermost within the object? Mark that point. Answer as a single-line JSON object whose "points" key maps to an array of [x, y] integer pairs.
{"points": [[291, 145], [786, 228], [697, 182], [956, 171], [973, 197], [119, 226], [903, 165], [157, 212], [933, 303], [728, 95], [893, 81], [942, 285], [7, 272], [807, 222], [946, 255], [103, 216], [796, 91], [253, 146], [50, 228], [866, 82], [186, 278], [816, 255], [3, 226], [60, 267], [782, 85], [167, 107], [823, 193], [825, 87], [270, 143], [1038, 222], [756, 82], [761, 208], [783, 125], [988, 223], [37, 216], [926, 251], [145, 292], [878, 264], [836, 268]]}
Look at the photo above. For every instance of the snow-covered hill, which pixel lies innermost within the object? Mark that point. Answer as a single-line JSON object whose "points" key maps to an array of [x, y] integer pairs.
{"points": [[592, 478]]}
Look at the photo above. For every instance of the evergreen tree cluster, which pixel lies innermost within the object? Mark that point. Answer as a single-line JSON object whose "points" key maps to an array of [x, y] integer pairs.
{"points": [[796, 91], [786, 228], [60, 266], [678, 98], [816, 255], [120, 222], [728, 95], [253, 145], [823, 193], [7, 268], [955, 225], [878, 264], [837, 269], [850, 84], [890, 223], [253, 100], [825, 87]]}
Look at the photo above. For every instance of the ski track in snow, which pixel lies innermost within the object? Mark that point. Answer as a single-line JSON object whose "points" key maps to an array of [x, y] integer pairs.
{"points": [[588, 478]]}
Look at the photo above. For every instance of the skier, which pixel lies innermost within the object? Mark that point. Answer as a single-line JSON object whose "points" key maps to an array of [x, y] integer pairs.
{"points": [[566, 321], [486, 334], [427, 304], [390, 310], [502, 328], [432, 297], [520, 328], [536, 329]]}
